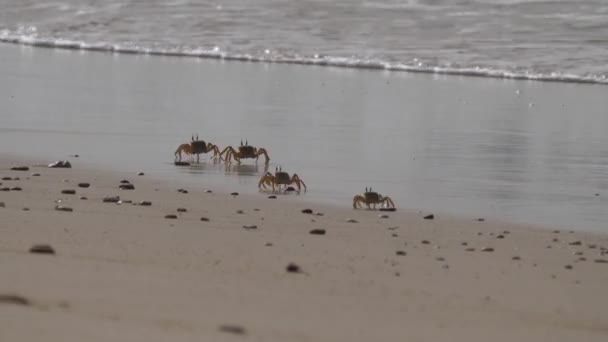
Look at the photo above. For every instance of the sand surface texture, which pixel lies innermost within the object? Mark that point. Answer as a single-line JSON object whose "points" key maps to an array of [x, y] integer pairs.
{"points": [[124, 272]]}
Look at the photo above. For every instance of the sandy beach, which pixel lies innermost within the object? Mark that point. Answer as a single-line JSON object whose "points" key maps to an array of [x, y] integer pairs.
{"points": [[122, 271]]}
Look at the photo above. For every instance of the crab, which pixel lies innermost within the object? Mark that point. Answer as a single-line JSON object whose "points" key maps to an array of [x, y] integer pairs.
{"points": [[280, 178], [197, 147], [370, 198], [245, 151]]}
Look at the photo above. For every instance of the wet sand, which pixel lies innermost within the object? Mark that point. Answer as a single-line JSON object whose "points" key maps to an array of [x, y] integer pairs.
{"points": [[125, 272]]}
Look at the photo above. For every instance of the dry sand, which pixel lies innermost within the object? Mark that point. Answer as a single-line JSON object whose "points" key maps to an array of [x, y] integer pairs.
{"points": [[125, 273]]}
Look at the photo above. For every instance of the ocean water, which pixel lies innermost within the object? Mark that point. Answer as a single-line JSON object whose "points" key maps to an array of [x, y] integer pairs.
{"points": [[522, 151], [565, 40]]}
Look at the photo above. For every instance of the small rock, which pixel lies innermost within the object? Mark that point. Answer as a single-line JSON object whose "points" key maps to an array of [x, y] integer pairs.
{"points": [[429, 217], [568, 267], [6, 178], [590, 246], [35, 175], [232, 329], [84, 185], [256, 209], [516, 258], [578, 253], [481, 219], [234, 193], [440, 259], [402, 253], [393, 228], [317, 232], [205, 219], [394, 235], [506, 232], [2, 205], [42, 249], [470, 249], [320, 214], [14, 299], [183, 191], [240, 212], [62, 208], [601, 261], [556, 232], [5, 189], [445, 267], [26, 209], [487, 249], [582, 259], [575, 243], [145, 203], [272, 197], [425, 242], [293, 268], [251, 226], [124, 181], [500, 236], [555, 240], [140, 173], [268, 244], [464, 243], [126, 187], [182, 210], [112, 199], [68, 192], [20, 168], [208, 191], [171, 217], [60, 164], [16, 188], [306, 211], [352, 221], [84, 198], [383, 216]]}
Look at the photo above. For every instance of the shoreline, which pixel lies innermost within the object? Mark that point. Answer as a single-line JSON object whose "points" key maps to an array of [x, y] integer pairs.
{"points": [[126, 272]]}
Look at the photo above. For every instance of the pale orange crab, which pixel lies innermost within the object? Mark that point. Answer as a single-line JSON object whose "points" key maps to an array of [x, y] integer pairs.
{"points": [[245, 151], [371, 198], [278, 179]]}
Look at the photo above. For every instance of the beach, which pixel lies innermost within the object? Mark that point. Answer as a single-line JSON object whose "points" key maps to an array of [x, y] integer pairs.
{"points": [[122, 271]]}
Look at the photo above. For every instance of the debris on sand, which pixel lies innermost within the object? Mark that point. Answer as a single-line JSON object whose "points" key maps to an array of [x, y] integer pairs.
{"points": [[232, 329], [317, 232], [42, 249], [293, 268], [14, 300], [111, 199], [20, 168], [62, 208], [61, 164], [429, 217]]}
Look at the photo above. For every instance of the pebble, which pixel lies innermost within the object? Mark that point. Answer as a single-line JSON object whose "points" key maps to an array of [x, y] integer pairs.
{"points": [[306, 211], [2, 205], [234, 193], [171, 217], [15, 188], [268, 244], [42, 249], [205, 219], [124, 181], [14, 299], [352, 221], [272, 196], [183, 191], [84, 198], [464, 243], [500, 236], [240, 212], [383, 216], [256, 209], [126, 187], [601, 261], [232, 329], [35, 175], [112, 199], [393, 228], [5, 189], [68, 192], [251, 226], [575, 243], [208, 191], [568, 267], [20, 168], [62, 208], [516, 258], [402, 253], [425, 242], [145, 203], [26, 209], [487, 249], [84, 185], [293, 268], [60, 164], [481, 219], [445, 267], [429, 217], [578, 253], [140, 173], [182, 210], [440, 259], [470, 249], [6, 178], [317, 232], [320, 214]]}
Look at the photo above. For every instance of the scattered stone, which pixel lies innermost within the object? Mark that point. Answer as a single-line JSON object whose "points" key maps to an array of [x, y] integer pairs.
{"points": [[208, 191], [182, 210], [183, 191], [171, 217], [61, 164], [240, 211], [464, 243], [234, 193], [470, 249], [384, 216], [145, 203], [181, 163], [68, 192], [582, 259], [124, 181], [14, 300], [429, 217], [272, 197], [506, 232], [205, 219], [445, 267], [293, 268], [256, 209], [140, 173], [556, 232], [126, 187], [317, 232], [5, 189], [393, 228], [487, 249], [251, 226], [440, 258], [575, 243], [591, 246], [388, 209], [306, 211], [42, 249], [555, 240], [6, 178], [20, 168], [112, 199], [394, 235], [481, 219], [597, 194], [35, 175], [2, 205], [16, 188], [62, 208], [352, 221], [500, 236], [26, 209], [568, 267], [402, 253], [516, 258], [601, 261], [425, 242], [84, 185], [232, 329], [84, 198], [578, 253]]}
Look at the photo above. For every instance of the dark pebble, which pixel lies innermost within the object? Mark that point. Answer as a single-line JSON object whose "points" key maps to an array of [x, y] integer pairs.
{"points": [[13, 299], [272, 196], [306, 211], [425, 242], [500, 236], [84, 198], [84, 185], [171, 217], [145, 203], [487, 249], [181, 163], [601, 261], [481, 219], [568, 267], [234, 193], [113, 199], [575, 243], [6, 178], [401, 253], [35, 175], [516, 258], [126, 187], [15, 188], [5, 189], [293, 268], [181, 210], [233, 329], [2, 205], [26, 209], [470, 249], [124, 181], [388, 209], [429, 217], [205, 219], [20, 168], [62, 208], [251, 226], [317, 232], [140, 173], [68, 192], [42, 249]]}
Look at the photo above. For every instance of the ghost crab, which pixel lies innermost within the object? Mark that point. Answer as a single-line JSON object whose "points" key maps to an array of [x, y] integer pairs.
{"points": [[370, 198], [197, 147], [245, 151], [280, 178]]}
